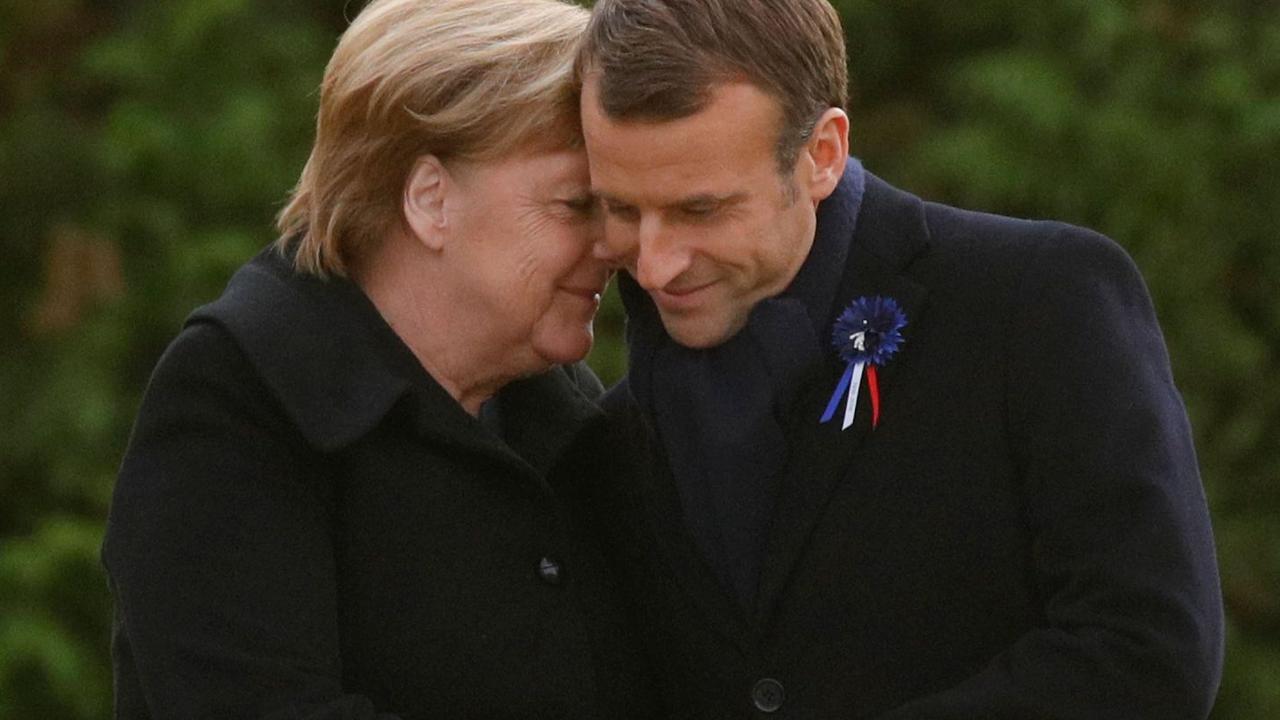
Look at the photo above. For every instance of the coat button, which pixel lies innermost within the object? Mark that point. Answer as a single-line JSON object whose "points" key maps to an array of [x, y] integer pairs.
{"points": [[768, 695], [550, 571]]}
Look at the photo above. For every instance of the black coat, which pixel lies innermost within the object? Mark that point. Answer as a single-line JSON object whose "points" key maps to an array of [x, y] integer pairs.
{"points": [[307, 526], [1024, 535]]}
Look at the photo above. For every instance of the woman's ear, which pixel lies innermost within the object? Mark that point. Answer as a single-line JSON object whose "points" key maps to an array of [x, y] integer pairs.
{"points": [[828, 153], [424, 201]]}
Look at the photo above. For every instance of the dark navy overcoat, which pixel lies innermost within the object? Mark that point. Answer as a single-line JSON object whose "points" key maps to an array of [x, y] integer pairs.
{"points": [[1024, 535]]}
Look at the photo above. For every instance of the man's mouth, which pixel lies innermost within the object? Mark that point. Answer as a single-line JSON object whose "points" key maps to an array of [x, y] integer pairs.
{"points": [[681, 297]]}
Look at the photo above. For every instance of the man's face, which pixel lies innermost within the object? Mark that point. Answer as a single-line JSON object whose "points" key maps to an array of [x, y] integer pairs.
{"points": [[696, 210]]}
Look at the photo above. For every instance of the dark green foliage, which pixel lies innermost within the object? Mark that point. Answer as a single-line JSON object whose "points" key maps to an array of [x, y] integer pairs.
{"points": [[146, 144]]}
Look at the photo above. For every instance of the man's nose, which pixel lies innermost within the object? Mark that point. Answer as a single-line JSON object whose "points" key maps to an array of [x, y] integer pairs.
{"points": [[660, 257]]}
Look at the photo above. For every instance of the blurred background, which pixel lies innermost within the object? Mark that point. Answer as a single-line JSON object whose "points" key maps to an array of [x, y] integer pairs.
{"points": [[145, 146]]}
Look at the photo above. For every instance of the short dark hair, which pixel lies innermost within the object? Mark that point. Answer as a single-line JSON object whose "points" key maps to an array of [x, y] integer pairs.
{"points": [[660, 60]]}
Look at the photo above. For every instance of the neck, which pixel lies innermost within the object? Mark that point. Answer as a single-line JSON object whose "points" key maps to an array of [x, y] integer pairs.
{"points": [[413, 293]]}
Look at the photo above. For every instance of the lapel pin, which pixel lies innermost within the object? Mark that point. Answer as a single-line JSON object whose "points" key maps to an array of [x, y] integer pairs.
{"points": [[866, 335]]}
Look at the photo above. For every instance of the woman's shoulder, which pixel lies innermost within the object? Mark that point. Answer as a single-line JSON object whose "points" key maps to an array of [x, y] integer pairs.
{"points": [[225, 373], [262, 301], [213, 361], [203, 348], [204, 377], [317, 345]]}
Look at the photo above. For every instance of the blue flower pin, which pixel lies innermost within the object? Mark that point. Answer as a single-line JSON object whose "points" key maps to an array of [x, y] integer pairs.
{"points": [[866, 335]]}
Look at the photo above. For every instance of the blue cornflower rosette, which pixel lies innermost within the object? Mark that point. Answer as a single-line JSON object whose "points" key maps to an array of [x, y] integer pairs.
{"points": [[866, 336]]}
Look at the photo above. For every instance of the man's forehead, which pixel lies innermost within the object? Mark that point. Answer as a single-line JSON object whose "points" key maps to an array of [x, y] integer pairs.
{"points": [[739, 119], [670, 145], [683, 181], [675, 162]]}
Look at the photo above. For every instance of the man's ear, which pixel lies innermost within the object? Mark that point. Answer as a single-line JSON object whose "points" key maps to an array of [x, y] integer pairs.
{"points": [[424, 201], [828, 153]]}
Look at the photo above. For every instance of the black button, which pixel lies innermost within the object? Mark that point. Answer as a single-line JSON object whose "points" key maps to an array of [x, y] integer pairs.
{"points": [[550, 571], [768, 695]]}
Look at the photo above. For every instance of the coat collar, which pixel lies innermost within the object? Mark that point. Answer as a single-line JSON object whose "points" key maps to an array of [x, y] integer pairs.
{"points": [[338, 370], [818, 281], [543, 415]]}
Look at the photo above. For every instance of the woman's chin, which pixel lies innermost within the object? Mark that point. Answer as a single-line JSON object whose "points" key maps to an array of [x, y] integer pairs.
{"points": [[565, 346]]}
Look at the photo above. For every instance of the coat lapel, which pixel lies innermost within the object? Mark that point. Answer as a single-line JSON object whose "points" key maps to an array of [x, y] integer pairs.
{"points": [[890, 234]]}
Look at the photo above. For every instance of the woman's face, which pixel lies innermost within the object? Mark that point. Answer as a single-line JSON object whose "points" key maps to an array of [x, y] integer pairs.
{"points": [[525, 226]]}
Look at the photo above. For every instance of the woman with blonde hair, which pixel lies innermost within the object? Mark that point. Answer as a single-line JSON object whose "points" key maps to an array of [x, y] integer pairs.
{"points": [[342, 496]]}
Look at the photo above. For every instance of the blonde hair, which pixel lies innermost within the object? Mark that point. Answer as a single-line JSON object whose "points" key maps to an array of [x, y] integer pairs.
{"points": [[459, 79]]}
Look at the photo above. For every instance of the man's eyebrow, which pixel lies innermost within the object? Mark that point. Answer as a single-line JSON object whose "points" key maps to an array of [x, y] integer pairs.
{"points": [[711, 199]]}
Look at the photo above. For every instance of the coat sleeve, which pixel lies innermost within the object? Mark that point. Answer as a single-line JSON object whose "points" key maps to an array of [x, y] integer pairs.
{"points": [[1122, 554], [218, 552]]}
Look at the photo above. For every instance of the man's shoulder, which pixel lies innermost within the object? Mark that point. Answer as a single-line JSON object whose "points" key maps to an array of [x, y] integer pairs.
{"points": [[975, 247], [900, 227], [988, 237]]}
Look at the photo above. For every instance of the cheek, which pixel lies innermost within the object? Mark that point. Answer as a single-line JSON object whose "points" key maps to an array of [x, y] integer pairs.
{"points": [[563, 334], [742, 249], [569, 250], [720, 245], [532, 262], [780, 246], [526, 266], [541, 263]]}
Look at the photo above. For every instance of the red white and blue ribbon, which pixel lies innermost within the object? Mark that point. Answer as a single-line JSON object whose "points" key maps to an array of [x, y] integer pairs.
{"points": [[866, 335]]}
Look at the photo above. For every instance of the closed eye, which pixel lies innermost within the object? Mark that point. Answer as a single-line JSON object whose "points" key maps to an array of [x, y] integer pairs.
{"points": [[621, 211], [699, 210], [708, 208], [584, 205]]}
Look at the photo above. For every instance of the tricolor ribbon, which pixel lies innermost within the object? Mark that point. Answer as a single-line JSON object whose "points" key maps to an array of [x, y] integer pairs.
{"points": [[851, 380], [866, 336]]}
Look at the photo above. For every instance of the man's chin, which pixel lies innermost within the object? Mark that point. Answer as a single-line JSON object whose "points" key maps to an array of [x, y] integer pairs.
{"points": [[698, 333]]}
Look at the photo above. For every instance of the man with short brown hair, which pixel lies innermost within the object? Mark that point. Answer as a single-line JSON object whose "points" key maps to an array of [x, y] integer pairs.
{"points": [[874, 457]]}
